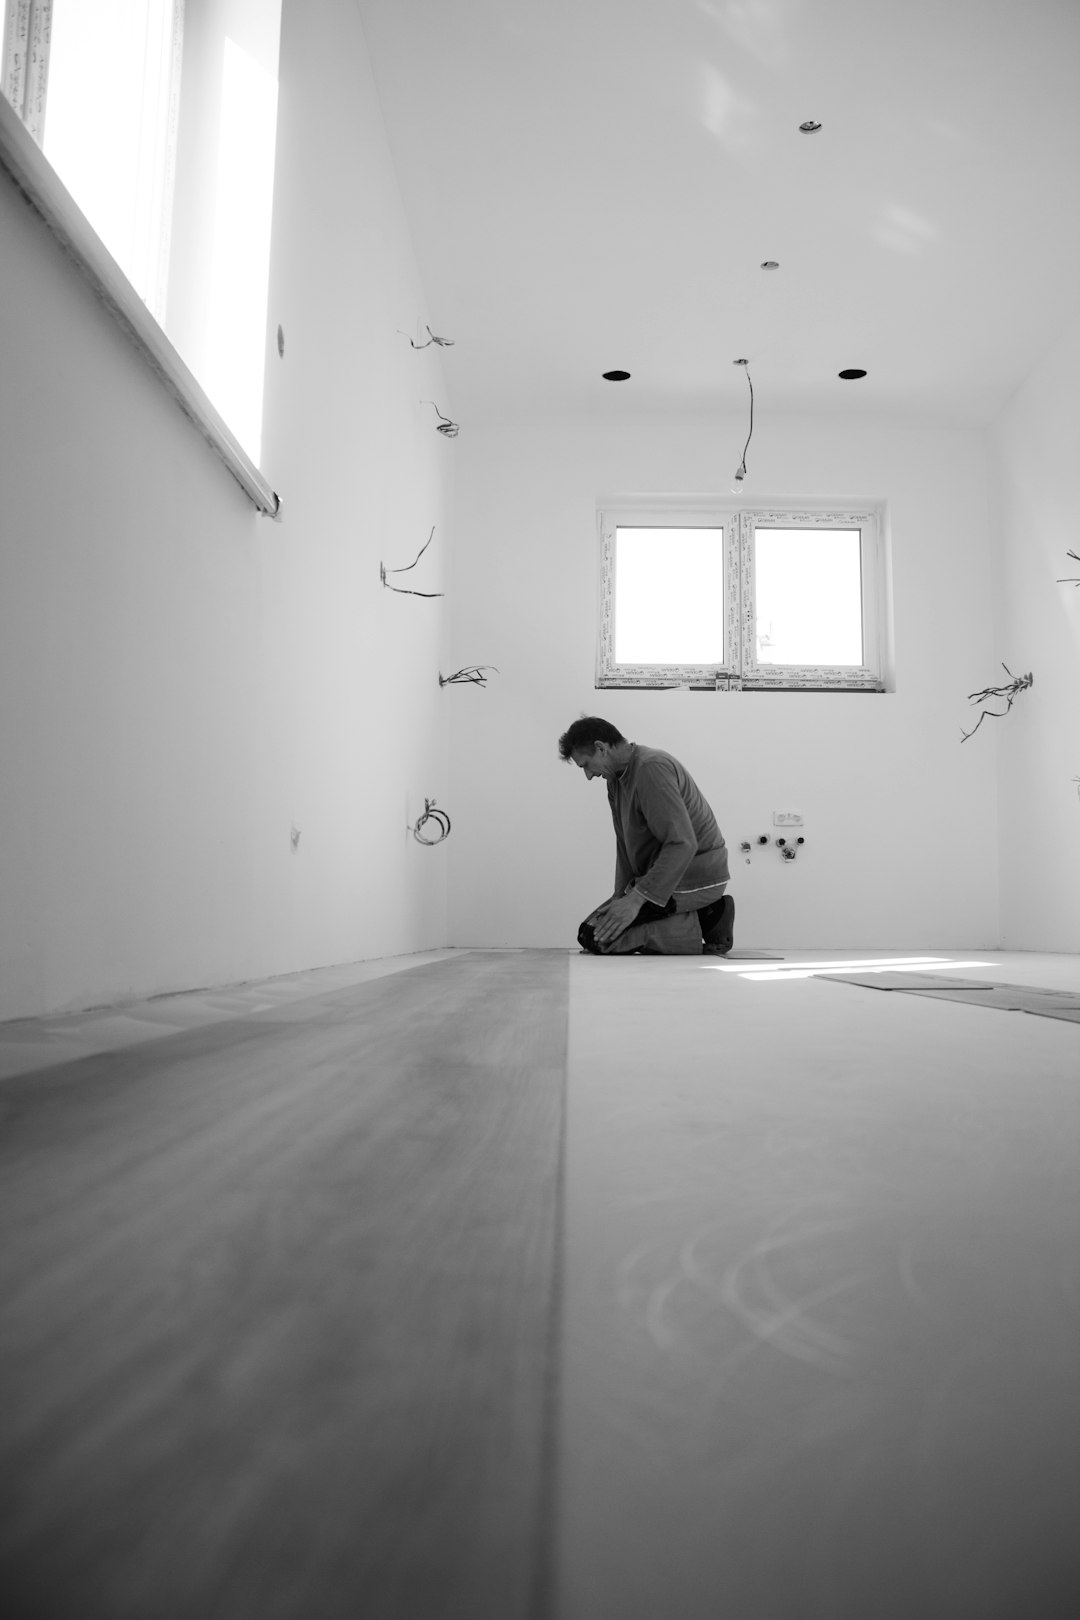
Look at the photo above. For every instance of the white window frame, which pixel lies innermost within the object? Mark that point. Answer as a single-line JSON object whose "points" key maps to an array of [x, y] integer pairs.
{"points": [[741, 669]]}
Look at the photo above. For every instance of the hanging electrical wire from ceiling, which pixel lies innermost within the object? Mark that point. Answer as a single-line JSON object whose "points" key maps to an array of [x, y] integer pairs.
{"points": [[403, 590], [444, 425], [741, 469], [471, 675], [1071, 579]]}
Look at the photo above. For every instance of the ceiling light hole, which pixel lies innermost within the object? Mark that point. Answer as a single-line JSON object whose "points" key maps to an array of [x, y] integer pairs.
{"points": [[770, 264], [616, 376], [809, 127], [851, 374]]}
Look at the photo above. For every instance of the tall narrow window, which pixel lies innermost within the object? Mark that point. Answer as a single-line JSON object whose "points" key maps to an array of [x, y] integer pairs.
{"points": [[159, 119], [235, 326], [110, 126]]}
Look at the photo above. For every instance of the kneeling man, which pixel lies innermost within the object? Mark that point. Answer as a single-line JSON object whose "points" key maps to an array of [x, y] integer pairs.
{"points": [[671, 866]]}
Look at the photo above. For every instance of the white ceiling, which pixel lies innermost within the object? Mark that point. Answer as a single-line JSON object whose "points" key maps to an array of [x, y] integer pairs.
{"points": [[593, 184]]}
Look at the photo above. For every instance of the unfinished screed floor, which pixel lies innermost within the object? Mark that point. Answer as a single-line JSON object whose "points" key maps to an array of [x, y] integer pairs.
{"points": [[523, 1285]]}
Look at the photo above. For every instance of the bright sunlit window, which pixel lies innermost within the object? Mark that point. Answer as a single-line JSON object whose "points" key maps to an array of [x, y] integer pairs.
{"points": [[669, 585], [808, 596], [743, 598], [110, 107], [159, 118], [233, 367]]}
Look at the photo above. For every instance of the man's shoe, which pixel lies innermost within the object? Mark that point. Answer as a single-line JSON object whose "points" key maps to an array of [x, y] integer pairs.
{"points": [[719, 931]]}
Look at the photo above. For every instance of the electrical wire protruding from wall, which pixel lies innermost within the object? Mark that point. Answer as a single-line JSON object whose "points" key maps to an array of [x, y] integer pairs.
{"points": [[471, 675], [440, 818], [444, 425], [1072, 579], [444, 343], [403, 590], [741, 469], [1017, 684]]}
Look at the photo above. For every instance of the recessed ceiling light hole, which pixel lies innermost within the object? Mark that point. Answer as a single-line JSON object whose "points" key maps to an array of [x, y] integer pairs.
{"points": [[616, 376], [851, 374], [770, 264], [810, 127]]}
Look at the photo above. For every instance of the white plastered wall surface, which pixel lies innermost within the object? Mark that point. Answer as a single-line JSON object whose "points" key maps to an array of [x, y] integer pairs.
{"points": [[1035, 451], [900, 816], [183, 683]]}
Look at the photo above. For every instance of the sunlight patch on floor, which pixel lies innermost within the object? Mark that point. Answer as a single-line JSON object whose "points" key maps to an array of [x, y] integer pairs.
{"points": [[807, 970]]}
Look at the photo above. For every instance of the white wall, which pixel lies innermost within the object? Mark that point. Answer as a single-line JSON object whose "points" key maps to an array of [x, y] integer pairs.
{"points": [[183, 681], [1036, 442], [901, 823]]}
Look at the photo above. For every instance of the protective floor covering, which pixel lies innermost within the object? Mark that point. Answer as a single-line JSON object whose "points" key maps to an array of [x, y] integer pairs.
{"points": [[821, 1303], [1062, 1004], [276, 1308]]}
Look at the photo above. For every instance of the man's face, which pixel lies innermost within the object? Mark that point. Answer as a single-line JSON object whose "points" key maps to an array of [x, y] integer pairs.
{"points": [[595, 761]]}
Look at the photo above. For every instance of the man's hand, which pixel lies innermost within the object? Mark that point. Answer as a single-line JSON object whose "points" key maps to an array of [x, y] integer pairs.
{"points": [[616, 917]]}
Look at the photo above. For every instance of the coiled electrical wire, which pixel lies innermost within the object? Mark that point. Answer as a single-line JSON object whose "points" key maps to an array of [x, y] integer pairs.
{"points": [[439, 817]]}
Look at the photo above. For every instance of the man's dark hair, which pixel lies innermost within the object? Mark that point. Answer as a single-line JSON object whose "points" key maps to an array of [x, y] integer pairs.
{"points": [[586, 733]]}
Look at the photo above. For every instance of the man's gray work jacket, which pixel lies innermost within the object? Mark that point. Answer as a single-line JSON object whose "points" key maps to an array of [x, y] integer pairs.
{"points": [[666, 836]]}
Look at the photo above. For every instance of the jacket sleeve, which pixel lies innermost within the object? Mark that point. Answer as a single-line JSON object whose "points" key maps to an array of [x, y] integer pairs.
{"points": [[623, 875], [668, 820], [624, 872]]}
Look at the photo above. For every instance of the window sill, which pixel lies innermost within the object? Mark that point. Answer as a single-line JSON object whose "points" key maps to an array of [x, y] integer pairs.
{"points": [[748, 684], [37, 180]]}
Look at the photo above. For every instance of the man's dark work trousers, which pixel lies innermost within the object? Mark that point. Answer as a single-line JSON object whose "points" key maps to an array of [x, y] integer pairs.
{"points": [[586, 934]]}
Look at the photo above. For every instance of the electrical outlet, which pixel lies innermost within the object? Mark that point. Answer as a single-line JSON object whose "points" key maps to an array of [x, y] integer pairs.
{"points": [[787, 818]]}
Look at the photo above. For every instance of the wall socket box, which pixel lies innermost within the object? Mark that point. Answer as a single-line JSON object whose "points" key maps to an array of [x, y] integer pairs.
{"points": [[787, 818]]}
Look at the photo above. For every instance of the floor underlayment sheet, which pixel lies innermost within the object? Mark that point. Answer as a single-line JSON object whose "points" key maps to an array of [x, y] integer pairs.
{"points": [[1027, 998], [820, 1304]]}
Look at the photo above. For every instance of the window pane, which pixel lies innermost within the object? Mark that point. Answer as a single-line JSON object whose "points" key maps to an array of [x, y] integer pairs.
{"points": [[669, 596], [107, 127], [233, 370], [808, 596]]}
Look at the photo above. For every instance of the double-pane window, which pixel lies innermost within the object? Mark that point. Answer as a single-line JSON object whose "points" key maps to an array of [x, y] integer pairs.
{"points": [[749, 598]]}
